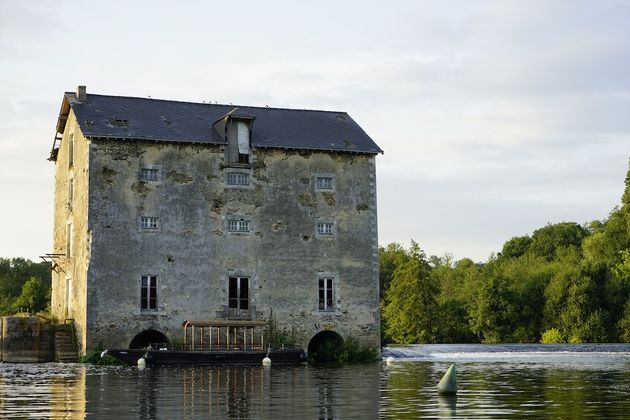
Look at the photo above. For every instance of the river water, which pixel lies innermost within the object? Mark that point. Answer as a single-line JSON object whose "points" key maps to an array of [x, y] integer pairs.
{"points": [[494, 382]]}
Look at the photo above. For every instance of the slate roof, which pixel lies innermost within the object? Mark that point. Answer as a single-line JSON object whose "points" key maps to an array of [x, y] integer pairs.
{"points": [[129, 118]]}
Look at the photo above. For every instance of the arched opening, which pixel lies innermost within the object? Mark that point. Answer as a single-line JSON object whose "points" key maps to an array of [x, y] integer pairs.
{"points": [[325, 346], [147, 337]]}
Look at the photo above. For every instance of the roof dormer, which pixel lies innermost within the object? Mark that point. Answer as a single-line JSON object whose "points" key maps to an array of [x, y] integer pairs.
{"points": [[235, 128]]}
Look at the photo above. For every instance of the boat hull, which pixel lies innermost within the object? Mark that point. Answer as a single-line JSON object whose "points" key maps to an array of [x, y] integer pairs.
{"points": [[184, 357]]}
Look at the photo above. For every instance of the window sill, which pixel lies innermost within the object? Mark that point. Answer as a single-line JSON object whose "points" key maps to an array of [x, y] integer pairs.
{"points": [[227, 165]]}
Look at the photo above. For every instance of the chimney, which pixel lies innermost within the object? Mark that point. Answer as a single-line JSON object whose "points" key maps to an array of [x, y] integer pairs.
{"points": [[81, 93]]}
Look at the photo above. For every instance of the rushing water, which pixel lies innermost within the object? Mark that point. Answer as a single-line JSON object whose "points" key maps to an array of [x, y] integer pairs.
{"points": [[494, 381]]}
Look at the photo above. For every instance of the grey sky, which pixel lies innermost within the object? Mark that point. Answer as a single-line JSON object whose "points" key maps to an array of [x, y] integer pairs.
{"points": [[496, 117]]}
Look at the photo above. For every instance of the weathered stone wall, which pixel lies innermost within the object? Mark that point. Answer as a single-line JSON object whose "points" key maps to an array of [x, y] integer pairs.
{"points": [[26, 340], [72, 271], [193, 255]]}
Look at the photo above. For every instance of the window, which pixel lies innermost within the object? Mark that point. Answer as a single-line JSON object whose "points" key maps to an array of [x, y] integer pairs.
{"points": [[68, 297], [71, 150], [239, 293], [70, 190], [326, 294], [148, 293], [119, 122], [237, 178], [69, 240], [324, 183], [238, 225], [238, 141], [148, 223], [243, 142], [324, 228], [149, 174]]}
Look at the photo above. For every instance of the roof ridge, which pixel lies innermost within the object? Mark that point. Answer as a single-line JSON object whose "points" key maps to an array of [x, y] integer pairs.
{"points": [[209, 103]]}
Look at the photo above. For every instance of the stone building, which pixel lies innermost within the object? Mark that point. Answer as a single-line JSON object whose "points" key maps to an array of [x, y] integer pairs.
{"points": [[168, 211]]}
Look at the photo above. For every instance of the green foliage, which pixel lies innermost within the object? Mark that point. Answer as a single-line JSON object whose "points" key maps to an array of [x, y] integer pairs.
{"points": [[548, 240], [354, 352], [492, 311], [389, 258], [552, 336], [516, 247], [348, 351], [14, 274], [35, 296], [94, 358], [410, 310], [624, 324], [275, 337]]}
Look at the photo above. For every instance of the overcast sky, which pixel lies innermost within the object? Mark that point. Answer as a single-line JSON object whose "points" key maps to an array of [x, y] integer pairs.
{"points": [[496, 117]]}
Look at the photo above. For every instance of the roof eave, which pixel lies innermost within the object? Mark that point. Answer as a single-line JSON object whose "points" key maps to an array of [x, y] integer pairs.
{"points": [[62, 119]]}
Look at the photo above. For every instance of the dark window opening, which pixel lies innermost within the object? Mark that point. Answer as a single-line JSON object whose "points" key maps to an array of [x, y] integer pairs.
{"points": [[239, 293], [326, 294], [119, 122], [148, 293], [239, 142]]}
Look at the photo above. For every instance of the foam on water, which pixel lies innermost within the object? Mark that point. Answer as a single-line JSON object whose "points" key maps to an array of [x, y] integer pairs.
{"points": [[570, 353]]}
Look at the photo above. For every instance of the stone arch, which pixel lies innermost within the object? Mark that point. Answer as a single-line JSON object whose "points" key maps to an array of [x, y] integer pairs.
{"points": [[147, 337], [324, 346]]}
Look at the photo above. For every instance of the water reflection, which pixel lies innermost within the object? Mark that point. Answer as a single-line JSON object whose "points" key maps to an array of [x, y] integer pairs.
{"points": [[447, 406], [67, 395], [599, 385], [505, 389]]}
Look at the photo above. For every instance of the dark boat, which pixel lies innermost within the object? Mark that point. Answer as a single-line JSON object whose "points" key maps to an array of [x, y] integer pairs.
{"points": [[200, 357], [217, 342]]}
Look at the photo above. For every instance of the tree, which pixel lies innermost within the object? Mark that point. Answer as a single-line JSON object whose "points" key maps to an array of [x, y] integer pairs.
{"points": [[516, 247], [34, 297], [492, 311], [389, 258], [14, 273], [410, 309], [548, 240], [456, 284]]}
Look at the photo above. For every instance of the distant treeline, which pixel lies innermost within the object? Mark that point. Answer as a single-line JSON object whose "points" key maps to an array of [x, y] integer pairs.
{"points": [[564, 283], [24, 286]]}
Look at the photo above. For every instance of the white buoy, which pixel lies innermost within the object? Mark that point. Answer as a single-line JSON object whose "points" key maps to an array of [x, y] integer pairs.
{"points": [[266, 361], [390, 360], [448, 383], [142, 363]]}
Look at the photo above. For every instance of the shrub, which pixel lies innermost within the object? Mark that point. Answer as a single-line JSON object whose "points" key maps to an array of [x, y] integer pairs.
{"points": [[94, 357], [352, 351], [552, 336]]}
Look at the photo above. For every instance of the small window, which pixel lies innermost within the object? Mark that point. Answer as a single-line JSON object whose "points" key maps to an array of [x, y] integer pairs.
{"points": [[238, 225], [149, 174], [325, 228], [70, 190], [69, 240], [148, 223], [119, 122], [326, 294], [324, 183], [71, 150], [148, 293], [237, 178], [68, 296]]}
